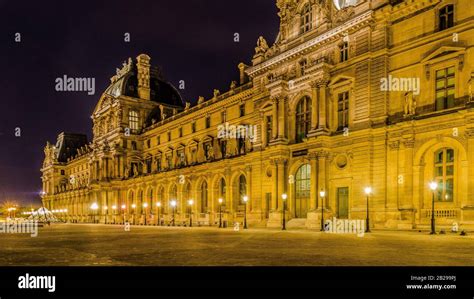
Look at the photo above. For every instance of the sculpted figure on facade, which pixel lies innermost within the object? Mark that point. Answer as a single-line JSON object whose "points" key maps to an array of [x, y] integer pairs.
{"points": [[410, 104], [262, 46]]}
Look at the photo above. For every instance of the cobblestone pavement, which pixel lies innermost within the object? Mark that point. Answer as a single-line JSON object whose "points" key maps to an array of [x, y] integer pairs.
{"points": [[101, 245]]}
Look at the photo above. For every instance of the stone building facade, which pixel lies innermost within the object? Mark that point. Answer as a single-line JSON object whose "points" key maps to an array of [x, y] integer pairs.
{"points": [[351, 94]]}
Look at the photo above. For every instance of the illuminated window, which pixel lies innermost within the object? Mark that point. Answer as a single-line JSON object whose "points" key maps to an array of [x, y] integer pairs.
{"points": [[222, 189], [444, 174], [303, 119], [306, 19], [133, 120], [302, 194], [445, 85], [242, 110], [208, 122], [446, 17], [242, 188]]}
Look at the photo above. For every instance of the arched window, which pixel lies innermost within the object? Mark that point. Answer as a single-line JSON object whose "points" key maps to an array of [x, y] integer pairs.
{"points": [[306, 19], [303, 186], [444, 174], [140, 201], [173, 193], [242, 188], [303, 118], [204, 197]]}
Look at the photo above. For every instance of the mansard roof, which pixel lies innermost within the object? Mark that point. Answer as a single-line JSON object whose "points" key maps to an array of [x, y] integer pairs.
{"points": [[126, 83], [68, 145]]}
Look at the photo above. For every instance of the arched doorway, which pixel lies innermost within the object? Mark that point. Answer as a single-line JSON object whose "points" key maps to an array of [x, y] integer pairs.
{"points": [[302, 192], [203, 204]]}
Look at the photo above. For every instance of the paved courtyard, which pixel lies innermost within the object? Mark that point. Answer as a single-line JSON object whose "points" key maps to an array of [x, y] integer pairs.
{"points": [[101, 245]]}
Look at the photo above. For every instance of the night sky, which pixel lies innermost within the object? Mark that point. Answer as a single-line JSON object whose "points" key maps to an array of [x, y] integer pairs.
{"points": [[191, 40]]}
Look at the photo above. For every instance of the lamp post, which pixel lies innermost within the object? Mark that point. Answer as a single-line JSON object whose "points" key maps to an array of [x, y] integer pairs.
{"points": [[145, 206], [158, 207], [123, 212], [190, 203], [246, 199], [284, 196], [322, 194], [220, 212], [133, 213], [114, 208], [173, 205], [368, 191], [94, 208], [433, 187], [106, 209]]}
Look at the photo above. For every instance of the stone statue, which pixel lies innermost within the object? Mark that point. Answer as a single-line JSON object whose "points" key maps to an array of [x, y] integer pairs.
{"points": [[410, 104], [135, 170], [188, 105], [233, 85], [201, 100], [471, 88], [216, 93], [262, 46], [127, 172]]}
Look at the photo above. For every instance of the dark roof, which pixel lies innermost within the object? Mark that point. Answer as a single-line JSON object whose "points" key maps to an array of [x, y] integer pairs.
{"points": [[68, 144], [161, 91]]}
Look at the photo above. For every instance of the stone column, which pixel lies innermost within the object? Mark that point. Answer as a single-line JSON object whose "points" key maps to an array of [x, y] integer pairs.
{"points": [[275, 186], [314, 194], [282, 118], [281, 182], [275, 118], [322, 123], [314, 106]]}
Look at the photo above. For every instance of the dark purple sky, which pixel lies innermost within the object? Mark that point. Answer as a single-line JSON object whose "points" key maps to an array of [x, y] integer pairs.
{"points": [[191, 40]]}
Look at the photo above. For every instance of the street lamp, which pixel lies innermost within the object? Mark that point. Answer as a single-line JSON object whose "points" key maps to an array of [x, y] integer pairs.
{"points": [[322, 194], [220, 212], [368, 191], [133, 213], [190, 203], [173, 205], [433, 187], [158, 205], [114, 208], [284, 196], [145, 205], [246, 198], [94, 208]]}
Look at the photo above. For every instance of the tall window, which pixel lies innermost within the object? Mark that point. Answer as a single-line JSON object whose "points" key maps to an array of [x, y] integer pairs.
{"points": [[208, 122], [242, 110], [242, 188], [343, 110], [133, 120], [150, 199], [222, 189], [303, 118], [446, 17], [306, 19], [445, 81], [204, 198], [344, 52], [444, 174], [269, 128]]}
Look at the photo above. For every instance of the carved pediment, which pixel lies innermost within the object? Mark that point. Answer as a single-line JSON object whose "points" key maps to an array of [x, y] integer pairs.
{"points": [[443, 52]]}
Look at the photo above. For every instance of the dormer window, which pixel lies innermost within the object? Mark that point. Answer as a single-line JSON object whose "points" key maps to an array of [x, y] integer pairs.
{"points": [[446, 17], [133, 120], [306, 19]]}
